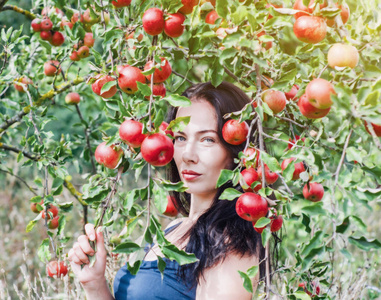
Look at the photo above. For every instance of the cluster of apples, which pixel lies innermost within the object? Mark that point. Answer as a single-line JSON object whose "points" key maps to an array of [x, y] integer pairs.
{"points": [[313, 29], [156, 148], [45, 27], [53, 217], [82, 48], [129, 76]]}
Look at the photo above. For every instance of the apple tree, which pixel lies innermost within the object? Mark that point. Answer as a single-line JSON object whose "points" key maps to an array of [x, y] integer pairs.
{"points": [[84, 98]]}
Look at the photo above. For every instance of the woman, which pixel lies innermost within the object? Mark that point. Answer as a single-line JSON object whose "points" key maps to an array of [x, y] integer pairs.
{"points": [[222, 241]]}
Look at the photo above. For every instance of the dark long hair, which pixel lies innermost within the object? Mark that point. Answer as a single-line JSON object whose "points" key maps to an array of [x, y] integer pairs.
{"points": [[219, 230]]}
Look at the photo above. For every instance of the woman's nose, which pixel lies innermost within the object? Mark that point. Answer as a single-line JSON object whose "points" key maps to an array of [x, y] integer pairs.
{"points": [[190, 153]]}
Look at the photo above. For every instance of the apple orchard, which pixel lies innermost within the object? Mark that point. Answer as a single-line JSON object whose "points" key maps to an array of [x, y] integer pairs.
{"points": [[85, 87]]}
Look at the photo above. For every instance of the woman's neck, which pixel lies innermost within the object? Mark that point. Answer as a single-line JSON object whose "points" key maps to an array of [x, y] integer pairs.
{"points": [[198, 205]]}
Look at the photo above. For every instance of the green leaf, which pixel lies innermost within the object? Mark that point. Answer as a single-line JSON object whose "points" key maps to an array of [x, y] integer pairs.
{"points": [[262, 222], [36, 199], [135, 268], [225, 176], [43, 251], [176, 100], [247, 284], [57, 182], [126, 248], [173, 253], [289, 171], [217, 72], [302, 295], [265, 235], [30, 226], [315, 242], [159, 118], [171, 186], [161, 264], [178, 124], [222, 8], [364, 244], [144, 88], [271, 162], [230, 194], [373, 99], [343, 226], [314, 209], [107, 86]]}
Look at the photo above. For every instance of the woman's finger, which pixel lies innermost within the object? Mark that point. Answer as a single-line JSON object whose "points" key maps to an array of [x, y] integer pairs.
{"points": [[90, 232], [83, 240], [80, 253]]}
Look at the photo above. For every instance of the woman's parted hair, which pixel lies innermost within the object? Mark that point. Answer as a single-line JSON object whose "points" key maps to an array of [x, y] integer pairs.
{"points": [[219, 230]]}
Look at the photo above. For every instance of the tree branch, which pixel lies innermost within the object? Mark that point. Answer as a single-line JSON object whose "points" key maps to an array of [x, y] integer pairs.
{"points": [[15, 8], [342, 157], [22, 180], [17, 150]]}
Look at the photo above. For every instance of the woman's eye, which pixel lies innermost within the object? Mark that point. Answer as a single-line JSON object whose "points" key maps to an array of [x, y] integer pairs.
{"points": [[179, 138], [209, 140]]}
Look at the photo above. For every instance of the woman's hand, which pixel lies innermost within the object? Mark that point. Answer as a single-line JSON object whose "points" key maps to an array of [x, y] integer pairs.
{"points": [[87, 275]]}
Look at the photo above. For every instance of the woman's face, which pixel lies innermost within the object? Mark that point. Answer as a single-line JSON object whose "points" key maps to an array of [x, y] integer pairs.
{"points": [[199, 154]]}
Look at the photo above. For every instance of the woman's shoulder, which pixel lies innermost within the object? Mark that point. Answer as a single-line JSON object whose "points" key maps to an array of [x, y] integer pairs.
{"points": [[175, 222]]}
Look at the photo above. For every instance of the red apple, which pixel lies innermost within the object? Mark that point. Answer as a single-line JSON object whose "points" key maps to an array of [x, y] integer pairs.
{"points": [[88, 18], [131, 35], [163, 127], [293, 141], [130, 132], [83, 52], [34, 208], [153, 21], [310, 111], [157, 149], [46, 35], [88, 40], [57, 39], [121, 3], [159, 75], [319, 93], [291, 95], [211, 17], [51, 68], [253, 154], [315, 287], [188, 5], [270, 176], [250, 176], [159, 89], [276, 100], [276, 223], [72, 98], [313, 191], [53, 224], [97, 87], [74, 56], [52, 210], [55, 269], [108, 156], [299, 167], [343, 55], [310, 29], [128, 78], [173, 25], [305, 11], [171, 210], [66, 23], [235, 133], [36, 25], [344, 14], [23, 80], [251, 207], [46, 24], [376, 128]]}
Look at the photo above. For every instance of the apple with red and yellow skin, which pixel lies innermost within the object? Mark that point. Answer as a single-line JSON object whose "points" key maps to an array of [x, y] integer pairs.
{"points": [[108, 156], [313, 191], [235, 133], [276, 100], [121, 3], [46, 24], [72, 98], [310, 111], [291, 95], [157, 149], [128, 78], [53, 223], [88, 40], [188, 6], [74, 56], [33, 207], [173, 26], [57, 39], [36, 25], [211, 17], [250, 176], [98, 84], [51, 68], [251, 153], [130, 132], [310, 29], [293, 141], [56, 269], [251, 207], [376, 128], [319, 93], [171, 210], [52, 210], [88, 18], [343, 55], [153, 21], [159, 75], [76, 17], [344, 14], [306, 11], [46, 35], [23, 80], [83, 52], [299, 167], [270, 176]]}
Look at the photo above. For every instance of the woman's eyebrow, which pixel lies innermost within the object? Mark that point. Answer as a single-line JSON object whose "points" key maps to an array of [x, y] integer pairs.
{"points": [[201, 131]]}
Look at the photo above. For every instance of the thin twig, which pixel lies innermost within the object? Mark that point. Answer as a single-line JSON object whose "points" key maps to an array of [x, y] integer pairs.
{"points": [[342, 157], [22, 180]]}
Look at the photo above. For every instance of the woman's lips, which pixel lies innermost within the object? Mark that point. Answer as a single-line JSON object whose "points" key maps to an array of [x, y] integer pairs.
{"points": [[190, 175]]}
